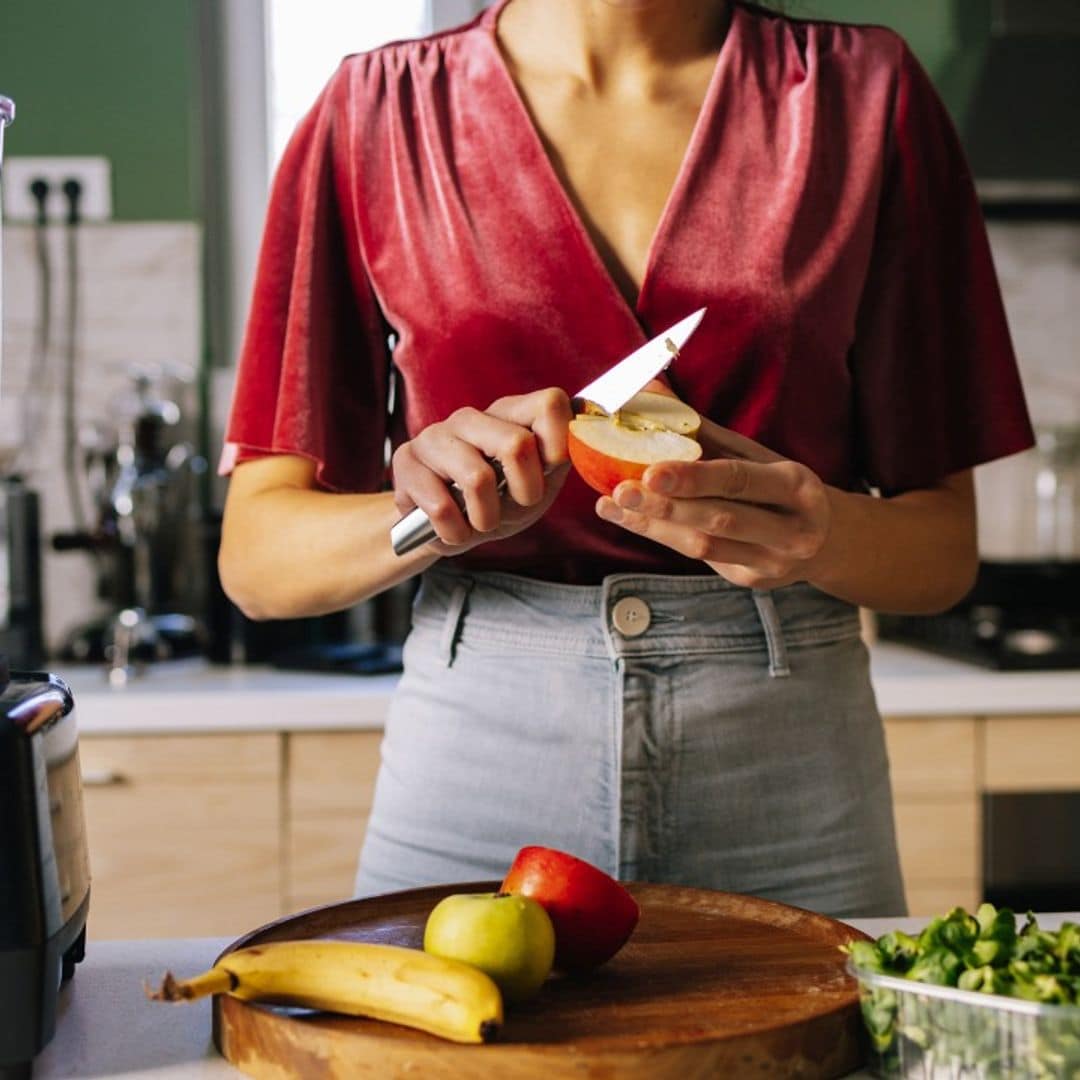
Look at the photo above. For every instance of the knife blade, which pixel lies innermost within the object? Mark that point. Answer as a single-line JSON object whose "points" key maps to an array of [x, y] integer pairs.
{"points": [[610, 391]]}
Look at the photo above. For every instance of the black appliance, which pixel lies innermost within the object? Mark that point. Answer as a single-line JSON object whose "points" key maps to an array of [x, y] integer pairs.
{"points": [[44, 863], [20, 575], [1031, 850], [1020, 616]]}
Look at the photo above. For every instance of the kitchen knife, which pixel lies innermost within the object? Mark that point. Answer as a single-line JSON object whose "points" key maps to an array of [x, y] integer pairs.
{"points": [[610, 392]]}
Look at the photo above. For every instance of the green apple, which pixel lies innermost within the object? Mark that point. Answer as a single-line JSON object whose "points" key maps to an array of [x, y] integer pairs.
{"points": [[511, 938]]}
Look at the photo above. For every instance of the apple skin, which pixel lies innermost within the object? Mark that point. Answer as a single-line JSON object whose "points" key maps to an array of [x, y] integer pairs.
{"points": [[592, 913], [606, 450], [511, 938]]}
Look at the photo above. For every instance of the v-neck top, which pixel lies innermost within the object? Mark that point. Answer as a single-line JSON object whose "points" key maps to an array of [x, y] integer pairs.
{"points": [[420, 255]]}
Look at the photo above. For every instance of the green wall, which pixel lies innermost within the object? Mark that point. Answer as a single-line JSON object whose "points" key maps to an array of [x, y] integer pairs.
{"points": [[949, 37], [113, 78]]}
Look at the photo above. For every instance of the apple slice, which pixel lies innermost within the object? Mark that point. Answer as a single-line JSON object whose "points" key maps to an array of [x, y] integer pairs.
{"points": [[649, 428]]}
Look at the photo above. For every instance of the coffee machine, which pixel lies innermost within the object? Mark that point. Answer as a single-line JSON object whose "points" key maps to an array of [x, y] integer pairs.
{"points": [[141, 472]]}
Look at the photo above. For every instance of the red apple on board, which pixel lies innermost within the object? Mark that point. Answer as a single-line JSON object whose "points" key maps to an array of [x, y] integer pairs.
{"points": [[607, 449], [592, 913]]}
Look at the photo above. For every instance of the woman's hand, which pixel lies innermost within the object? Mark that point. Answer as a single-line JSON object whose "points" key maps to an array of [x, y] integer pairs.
{"points": [[525, 434], [756, 518]]}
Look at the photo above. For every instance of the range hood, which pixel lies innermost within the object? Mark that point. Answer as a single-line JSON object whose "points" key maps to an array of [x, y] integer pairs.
{"points": [[1020, 123]]}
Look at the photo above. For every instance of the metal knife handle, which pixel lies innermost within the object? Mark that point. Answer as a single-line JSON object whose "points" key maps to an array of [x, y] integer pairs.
{"points": [[415, 528]]}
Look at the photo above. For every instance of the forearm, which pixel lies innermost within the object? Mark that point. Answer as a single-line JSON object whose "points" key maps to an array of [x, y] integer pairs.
{"points": [[914, 553], [289, 553]]}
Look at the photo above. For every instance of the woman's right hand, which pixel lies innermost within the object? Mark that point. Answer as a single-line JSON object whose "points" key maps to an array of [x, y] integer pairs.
{"points": [[525, 434]]}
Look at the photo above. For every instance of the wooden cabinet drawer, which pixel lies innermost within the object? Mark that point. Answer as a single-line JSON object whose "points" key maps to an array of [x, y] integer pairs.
{"points": [[331, 782], [927, 899], [938, 840], [184, 834], [932, 756], [1035, 753]]}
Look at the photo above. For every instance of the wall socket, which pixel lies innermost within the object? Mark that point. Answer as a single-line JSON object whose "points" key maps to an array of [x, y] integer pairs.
{"points": [[93, 173]]}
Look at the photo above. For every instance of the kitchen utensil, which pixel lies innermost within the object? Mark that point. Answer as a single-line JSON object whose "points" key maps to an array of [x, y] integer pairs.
{"points": [[710, 984], [44, 866], [610, 392], [940, 1032], [1029, 504]]}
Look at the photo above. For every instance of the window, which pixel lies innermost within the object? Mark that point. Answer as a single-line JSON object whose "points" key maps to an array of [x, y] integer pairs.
{"points": [[308, 39]]}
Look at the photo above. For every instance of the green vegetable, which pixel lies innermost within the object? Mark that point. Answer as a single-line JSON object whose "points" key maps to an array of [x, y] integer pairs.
{"points": [[983, 953]]}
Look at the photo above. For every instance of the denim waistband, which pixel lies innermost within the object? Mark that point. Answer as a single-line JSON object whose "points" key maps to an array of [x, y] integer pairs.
{"points": [[685, 615]]}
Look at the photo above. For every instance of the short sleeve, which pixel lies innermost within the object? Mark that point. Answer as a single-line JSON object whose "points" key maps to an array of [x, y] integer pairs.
{"points": [[313, 372], [934, 373]]}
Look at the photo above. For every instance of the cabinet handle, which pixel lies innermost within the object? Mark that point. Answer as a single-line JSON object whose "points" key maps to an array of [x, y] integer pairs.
{"points": [[104, 778]]}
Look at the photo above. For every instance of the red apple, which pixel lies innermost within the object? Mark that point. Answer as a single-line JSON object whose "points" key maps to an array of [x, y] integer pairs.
{"points": [[607, 449], [592, 913]]}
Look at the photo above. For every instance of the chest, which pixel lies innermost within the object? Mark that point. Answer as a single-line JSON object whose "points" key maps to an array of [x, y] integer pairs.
{"points": [[618, 159]]}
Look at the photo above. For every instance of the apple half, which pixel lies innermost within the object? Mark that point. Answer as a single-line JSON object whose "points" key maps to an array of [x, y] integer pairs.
{"points": [[607, 449]]}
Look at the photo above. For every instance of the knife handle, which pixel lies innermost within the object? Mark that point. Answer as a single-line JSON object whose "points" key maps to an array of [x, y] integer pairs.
{"points": [[415, 528]]}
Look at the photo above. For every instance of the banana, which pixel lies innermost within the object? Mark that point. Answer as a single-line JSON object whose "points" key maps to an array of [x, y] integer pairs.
{"points": [[386, 982]]}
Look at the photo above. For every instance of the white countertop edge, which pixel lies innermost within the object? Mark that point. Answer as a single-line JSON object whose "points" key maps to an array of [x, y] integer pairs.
{"points": [[192, 697], [107, 1028]]}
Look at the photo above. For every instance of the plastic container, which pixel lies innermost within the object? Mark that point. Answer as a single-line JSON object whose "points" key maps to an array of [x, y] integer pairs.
{"points": [[927, 1032]]}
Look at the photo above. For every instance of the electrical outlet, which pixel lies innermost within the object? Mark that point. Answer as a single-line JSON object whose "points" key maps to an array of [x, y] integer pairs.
{"points": [[95, 202]]}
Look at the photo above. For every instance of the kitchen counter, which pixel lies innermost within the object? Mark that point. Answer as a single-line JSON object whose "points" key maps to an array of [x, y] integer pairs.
{"points": [[107, 1028], [192, 697]]}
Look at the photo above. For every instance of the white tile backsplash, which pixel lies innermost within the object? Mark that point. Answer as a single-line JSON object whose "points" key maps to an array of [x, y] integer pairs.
{"points": [[1038, 265], [140, 305]]}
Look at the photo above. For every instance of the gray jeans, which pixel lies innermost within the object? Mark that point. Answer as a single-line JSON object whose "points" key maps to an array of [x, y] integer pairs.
{"points": [[665, 728]]}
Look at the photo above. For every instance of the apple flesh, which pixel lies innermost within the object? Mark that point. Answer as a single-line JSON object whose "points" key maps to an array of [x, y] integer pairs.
{"points": [[608, 449], [592, 913], [508, 937]]}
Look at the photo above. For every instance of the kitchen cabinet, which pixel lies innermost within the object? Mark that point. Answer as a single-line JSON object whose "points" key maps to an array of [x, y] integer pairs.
{"points": [[331, 780], [185, 834], [935, 780], [213, 834]]}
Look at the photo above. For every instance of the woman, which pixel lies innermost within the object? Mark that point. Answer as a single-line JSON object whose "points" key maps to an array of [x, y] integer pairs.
{"points": [[669, 682]]}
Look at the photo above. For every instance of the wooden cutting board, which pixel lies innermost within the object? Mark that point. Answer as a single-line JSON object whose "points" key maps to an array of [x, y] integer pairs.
{"points": [[710, 984]]}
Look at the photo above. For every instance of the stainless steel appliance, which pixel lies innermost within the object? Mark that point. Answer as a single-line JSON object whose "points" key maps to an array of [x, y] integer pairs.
{"points": [[141, 471], [44, 865]]}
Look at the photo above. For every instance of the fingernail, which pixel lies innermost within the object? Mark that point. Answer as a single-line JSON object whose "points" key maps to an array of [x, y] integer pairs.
{"points": [[630, 497]]}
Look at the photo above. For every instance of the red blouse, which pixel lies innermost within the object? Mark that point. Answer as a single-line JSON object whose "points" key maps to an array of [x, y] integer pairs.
{"points": [[823, 213]]}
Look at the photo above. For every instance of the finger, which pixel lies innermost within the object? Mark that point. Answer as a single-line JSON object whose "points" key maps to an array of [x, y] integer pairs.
{"points": [[415, 485], [777, 484], [513, 445], [778, 530], [460, 462], [547, 413], [692, 542], [719, 441]]}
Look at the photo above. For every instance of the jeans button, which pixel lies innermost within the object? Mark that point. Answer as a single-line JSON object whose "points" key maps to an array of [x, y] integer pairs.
{"points": [[631, 616]]}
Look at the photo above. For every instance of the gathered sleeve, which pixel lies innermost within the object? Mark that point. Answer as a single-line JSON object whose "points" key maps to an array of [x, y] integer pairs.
{"points": [[313, 371], [934, 373]]}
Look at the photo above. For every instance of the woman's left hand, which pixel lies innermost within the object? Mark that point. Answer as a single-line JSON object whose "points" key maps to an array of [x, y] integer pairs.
{"points": [[758, 519]]}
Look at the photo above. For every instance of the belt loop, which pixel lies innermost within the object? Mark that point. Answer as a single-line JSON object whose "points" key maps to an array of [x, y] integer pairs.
{"points": [[455, 615], [774, 633]]}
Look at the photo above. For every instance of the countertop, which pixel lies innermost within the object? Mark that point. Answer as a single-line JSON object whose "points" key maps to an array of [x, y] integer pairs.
{"points": [[107, 1028], [192, 697]]}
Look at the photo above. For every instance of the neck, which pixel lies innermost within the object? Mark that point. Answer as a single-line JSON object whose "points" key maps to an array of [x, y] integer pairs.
{"points": [[599, 41]]}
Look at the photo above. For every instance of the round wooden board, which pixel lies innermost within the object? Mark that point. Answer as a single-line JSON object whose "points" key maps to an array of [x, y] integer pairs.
{"points": [[710, 984]]}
